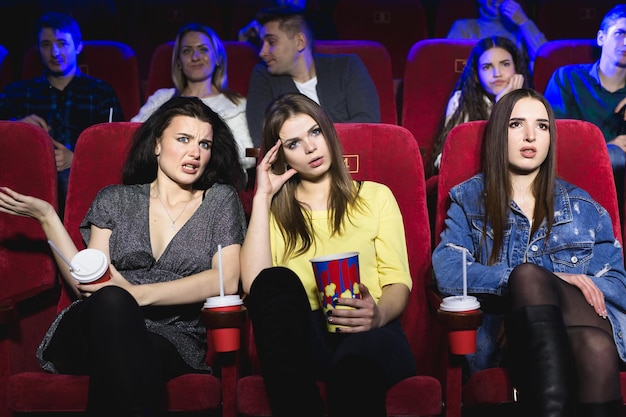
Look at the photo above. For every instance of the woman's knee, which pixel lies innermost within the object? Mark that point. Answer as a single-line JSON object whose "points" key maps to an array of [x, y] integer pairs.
{"points": [[276, 281], [111, 303], [593, 347], [530, 284]]}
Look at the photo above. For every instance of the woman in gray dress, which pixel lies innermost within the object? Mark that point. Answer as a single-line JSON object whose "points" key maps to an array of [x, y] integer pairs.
{"points": [[160, 231]]}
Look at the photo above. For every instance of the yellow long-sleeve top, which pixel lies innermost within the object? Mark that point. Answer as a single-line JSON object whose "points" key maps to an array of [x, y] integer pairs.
{"points": [[376, 232]]}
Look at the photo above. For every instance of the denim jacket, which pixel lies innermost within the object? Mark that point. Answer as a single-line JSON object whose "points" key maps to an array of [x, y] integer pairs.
{"points": [[581, 242]]}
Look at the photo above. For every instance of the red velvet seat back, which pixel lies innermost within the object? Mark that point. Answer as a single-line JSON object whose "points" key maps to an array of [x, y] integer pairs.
{"points": [[98, 160], [111, 61], [432, 69], [389, 154], [26, 263], [396, 24], [554, 54], [28, 167], [378, 63], [242, 57]]}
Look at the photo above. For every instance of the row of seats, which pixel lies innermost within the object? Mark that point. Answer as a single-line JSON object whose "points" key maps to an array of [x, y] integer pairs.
{"points": [[31, 293], [398, 24], [432, 69]]}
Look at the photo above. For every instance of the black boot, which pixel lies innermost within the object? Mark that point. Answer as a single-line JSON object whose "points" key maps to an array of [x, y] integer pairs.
{"points": [[610, 409], [540, 361]]}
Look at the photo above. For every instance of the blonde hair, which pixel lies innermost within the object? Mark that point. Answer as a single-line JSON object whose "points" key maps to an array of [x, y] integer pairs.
{"points": [[220, 74]]}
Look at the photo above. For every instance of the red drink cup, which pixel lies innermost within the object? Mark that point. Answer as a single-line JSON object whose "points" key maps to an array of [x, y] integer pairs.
{"points": [[337, 276], [91, 266], [462, 341], [225, 339]]}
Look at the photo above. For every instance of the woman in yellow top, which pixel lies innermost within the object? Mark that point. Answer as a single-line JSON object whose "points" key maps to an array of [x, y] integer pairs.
{"points": [[307, 205]]}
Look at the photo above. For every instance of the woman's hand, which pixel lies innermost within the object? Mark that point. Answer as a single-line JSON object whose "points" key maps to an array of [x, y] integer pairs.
{"points": [[515, 82], [590, 291], [513, 11], [364, 316], [86, 290], [266, 181], [12, 202]]}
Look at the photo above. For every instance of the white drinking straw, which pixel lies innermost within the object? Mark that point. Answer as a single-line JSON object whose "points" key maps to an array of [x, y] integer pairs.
{"points": [[53, 246], [464, 273], [110, 114], [219, 266]]}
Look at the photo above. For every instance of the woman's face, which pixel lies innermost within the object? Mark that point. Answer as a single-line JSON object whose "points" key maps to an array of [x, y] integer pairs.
{"points": [[495, 69], [197, 57], [490, 8], [184, 149], [529, 136], [305, 147]]}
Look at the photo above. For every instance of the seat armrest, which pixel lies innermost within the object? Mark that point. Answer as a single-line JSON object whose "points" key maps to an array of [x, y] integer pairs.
{"points": [[10, 306]]}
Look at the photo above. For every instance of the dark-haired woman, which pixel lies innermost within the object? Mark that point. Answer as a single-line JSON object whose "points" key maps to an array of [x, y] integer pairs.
{"points": [[495, 67], [545, 252], [160, 231]]}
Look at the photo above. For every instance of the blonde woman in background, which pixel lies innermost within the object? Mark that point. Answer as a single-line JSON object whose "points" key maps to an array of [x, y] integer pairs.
{"points": [[199, 69]]}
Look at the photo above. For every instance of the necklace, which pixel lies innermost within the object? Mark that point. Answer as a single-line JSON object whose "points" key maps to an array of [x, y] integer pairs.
{"points": [[168, 212]]}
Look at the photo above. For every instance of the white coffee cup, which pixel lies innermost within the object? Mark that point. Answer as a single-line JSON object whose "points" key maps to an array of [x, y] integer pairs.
{"points": [[91, 266]]}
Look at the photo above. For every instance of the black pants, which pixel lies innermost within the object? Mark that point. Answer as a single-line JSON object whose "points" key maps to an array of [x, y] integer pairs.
{"points": [[295, 350], [105, 337]]}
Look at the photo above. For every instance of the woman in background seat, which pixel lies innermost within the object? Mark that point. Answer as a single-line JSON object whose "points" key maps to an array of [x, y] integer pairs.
{"points": [[199, 69], [495, 67]]}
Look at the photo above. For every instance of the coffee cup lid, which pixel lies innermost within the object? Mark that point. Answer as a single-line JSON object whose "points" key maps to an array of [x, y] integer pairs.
{"points": [[459, 303], [90, 264], [225, 301]]}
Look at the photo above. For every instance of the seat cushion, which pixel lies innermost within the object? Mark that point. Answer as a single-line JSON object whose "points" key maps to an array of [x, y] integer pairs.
{"points": [[45, 392]]}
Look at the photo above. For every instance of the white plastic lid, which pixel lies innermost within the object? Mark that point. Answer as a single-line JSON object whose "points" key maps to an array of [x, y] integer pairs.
{"points": [[90, 264], [459, 303], [225, 301]]}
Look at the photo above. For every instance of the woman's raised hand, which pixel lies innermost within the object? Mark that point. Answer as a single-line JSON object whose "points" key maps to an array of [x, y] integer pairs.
{"points": [[12, 202], [266, 181], [515, 82]]}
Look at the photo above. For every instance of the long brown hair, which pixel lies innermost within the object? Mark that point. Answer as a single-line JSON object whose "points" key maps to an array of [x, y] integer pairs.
{"points": [[292, 216], [498, 188]]}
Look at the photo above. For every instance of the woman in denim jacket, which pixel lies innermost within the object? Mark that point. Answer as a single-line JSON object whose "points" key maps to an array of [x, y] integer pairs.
{"points": [[549, 259]]}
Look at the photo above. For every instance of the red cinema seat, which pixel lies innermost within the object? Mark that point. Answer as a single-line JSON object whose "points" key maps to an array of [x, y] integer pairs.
{"points": [[28, 273], [554, 54]]}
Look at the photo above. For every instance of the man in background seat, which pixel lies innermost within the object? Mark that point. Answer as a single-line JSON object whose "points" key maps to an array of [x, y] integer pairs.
{"points": [[62, 100], [339, 83], [596, 92]]}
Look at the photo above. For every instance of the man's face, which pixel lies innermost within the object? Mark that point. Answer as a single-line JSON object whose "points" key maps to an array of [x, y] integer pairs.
{"points": [[279, 51], [58, 51], [613, 43]]}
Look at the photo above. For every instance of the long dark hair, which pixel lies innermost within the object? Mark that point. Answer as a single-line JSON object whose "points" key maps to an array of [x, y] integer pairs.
{"points": [[292, 220], [472, 104], [498, 189], [141, 165]]}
